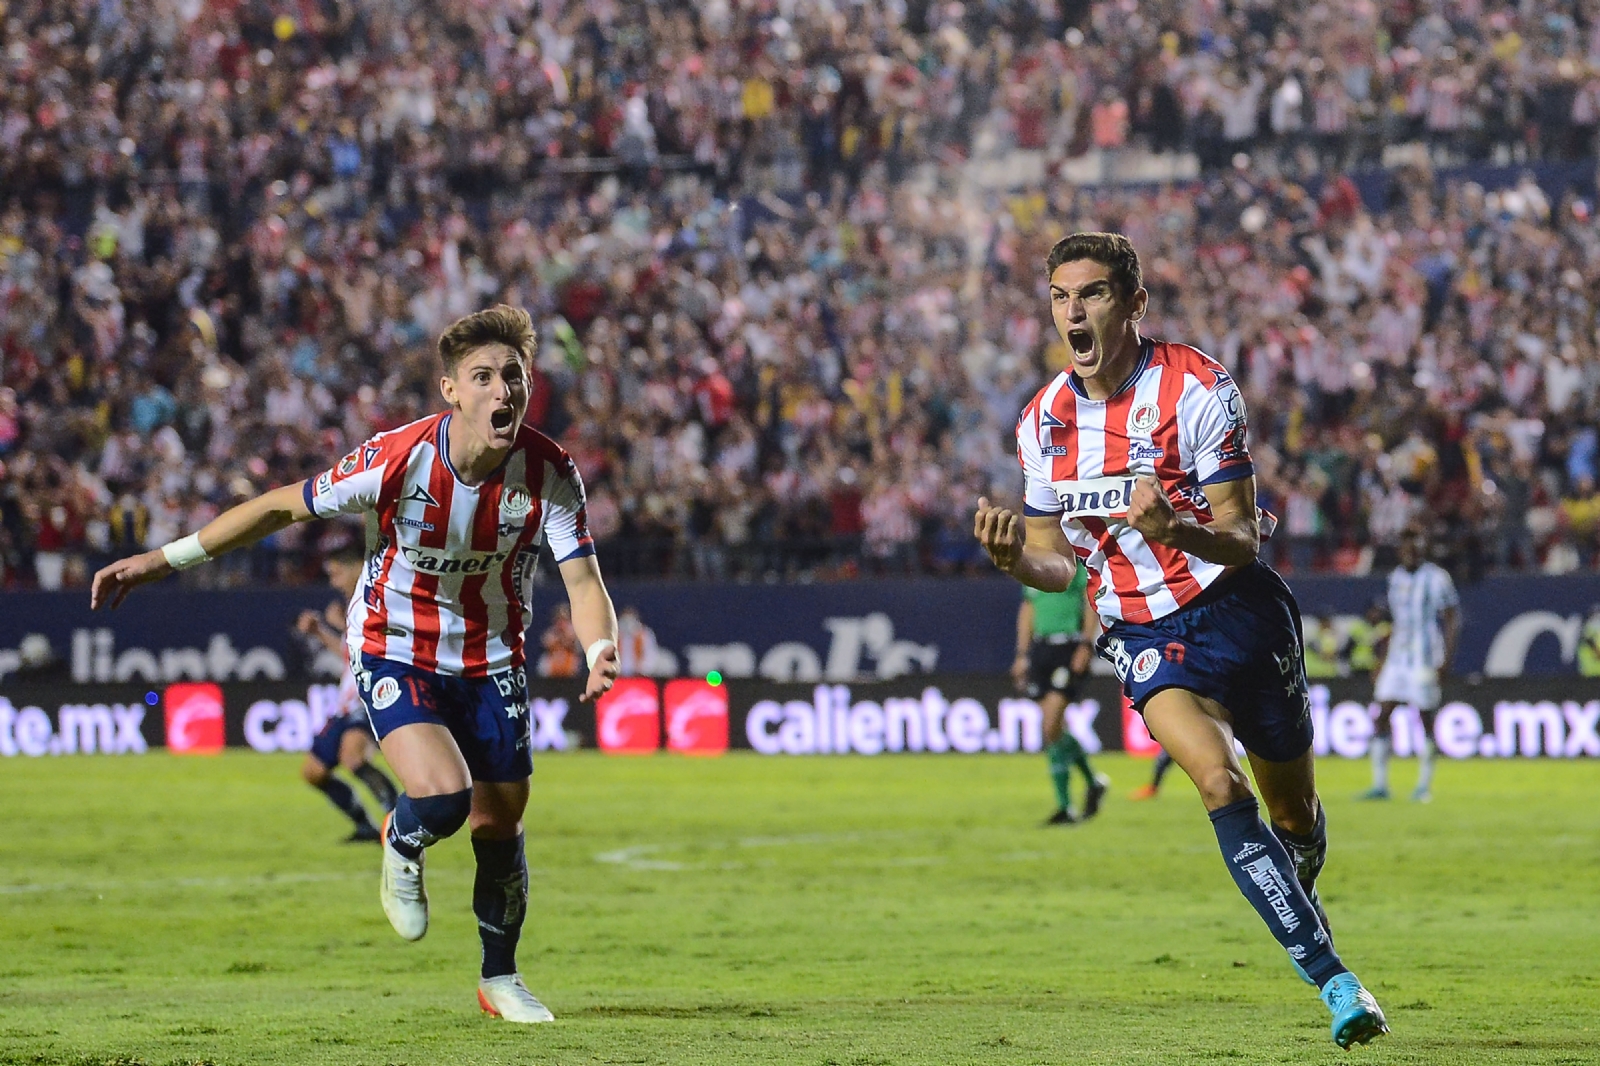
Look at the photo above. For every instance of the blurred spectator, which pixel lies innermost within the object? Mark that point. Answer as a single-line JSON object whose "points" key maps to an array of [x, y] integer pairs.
{"points": [[782, 319], [561, 656]]}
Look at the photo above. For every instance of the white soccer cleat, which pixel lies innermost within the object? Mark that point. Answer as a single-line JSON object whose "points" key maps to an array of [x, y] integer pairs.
{"points": [[405, 901], [507, 997]]}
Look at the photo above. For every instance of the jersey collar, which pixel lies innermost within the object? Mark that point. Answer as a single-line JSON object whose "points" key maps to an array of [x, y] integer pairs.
{"points": [[1147, 350], [444, 454]]}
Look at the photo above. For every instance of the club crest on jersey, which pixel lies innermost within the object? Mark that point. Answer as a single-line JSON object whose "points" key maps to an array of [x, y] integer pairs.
{"points": [[347, 465], [1145, 663], [384, 693], [1144, 418], [516, 503]]}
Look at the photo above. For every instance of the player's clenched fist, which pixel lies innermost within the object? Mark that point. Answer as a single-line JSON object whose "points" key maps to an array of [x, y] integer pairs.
{"points": [[1151, 513], [999, 530]]}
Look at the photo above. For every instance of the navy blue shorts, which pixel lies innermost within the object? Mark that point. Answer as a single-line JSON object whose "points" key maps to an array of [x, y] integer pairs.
{"points": [[325, 745], [1239, 644], [487, 716]]}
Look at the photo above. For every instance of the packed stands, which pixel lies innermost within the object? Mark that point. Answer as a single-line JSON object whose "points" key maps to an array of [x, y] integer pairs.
{"points": [[787, 321]]}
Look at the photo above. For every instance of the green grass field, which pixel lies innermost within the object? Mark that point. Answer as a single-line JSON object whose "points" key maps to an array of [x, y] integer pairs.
{"points": [[843, 910]]}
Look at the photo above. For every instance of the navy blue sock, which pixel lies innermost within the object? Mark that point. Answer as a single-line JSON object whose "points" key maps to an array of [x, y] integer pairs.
{"points": [[343, 797], [419, 821], [1308, 852], [1163, 764], [1261, 868], [500, 900], [378, 784]]}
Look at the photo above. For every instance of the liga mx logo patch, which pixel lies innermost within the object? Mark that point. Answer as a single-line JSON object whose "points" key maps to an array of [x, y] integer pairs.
{"points": [[1145, 663]]}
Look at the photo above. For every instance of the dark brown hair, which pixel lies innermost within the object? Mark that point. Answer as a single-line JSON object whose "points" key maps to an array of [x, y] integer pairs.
{"points": [[501, 324], [1111, 250]]}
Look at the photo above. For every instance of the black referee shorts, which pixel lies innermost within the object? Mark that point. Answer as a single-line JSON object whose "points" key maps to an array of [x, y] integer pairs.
{"points": [[1050, 668]]}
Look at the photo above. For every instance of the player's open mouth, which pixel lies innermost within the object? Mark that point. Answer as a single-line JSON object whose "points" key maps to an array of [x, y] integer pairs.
{"points": [[1082, 342], [502, 419]]}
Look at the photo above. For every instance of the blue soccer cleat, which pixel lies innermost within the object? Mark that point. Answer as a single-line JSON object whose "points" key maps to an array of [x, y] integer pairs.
{"points": [[1374, 793], [1357, 1018]]}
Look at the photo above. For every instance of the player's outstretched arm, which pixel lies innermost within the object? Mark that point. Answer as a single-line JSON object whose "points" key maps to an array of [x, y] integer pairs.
{"points": [[234, 528], [594, 619], [1231, 538], [1033, 550]]}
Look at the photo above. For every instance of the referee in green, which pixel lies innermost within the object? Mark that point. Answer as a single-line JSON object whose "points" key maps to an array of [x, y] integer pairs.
{"points": [[1055, 637]]}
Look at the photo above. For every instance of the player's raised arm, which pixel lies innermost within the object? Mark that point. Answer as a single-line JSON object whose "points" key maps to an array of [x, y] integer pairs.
{"points": [[236, 527], [1034, 549], [594, 619]]}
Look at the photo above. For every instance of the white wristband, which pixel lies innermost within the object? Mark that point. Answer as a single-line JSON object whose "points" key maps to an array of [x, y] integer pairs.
{"points": [[185, 552], [597, 649]]}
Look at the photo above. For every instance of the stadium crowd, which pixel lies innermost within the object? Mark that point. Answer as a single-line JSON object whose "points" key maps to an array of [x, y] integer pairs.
{"points": [[784, 331]]}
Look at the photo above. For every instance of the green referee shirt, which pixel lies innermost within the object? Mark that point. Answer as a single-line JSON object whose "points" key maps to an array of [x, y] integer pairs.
{"points": [[1055, 613]]}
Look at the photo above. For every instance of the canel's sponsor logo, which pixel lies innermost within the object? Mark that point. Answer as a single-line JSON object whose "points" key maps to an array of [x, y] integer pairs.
{"points": [[86, 729], [697, 716], [1100, 497], [194, 718], [628, 718], [428, 561], [833, 722]]}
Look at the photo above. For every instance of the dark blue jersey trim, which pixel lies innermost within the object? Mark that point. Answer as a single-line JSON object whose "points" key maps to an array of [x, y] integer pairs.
{"points": [[1030, 511], [309, 492], [583, 550], [1232, 473]]}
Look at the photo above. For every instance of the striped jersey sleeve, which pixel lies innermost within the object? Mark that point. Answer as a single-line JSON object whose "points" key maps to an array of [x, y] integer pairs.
{"points": [[566, 524], [1212, 421], [350, 486], [1038, 497]]}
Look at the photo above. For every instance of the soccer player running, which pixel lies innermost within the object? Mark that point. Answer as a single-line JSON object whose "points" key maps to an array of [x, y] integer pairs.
{"points": [[344, 739], [1425, 613], [1054, 633], [1135, 466], [455, 507]]}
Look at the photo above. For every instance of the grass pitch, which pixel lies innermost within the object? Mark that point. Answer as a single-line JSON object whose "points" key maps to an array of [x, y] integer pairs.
{"points": [[843, 910]]}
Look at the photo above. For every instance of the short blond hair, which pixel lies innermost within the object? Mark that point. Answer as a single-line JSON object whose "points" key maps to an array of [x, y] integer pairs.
{"points": [[501, 324]]}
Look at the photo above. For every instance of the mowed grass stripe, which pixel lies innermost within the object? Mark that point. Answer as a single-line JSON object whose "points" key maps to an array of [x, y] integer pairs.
{"points": [[846, 910]]}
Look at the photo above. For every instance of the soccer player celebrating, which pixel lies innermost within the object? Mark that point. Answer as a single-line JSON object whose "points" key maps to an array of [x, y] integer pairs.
{"points": [[344, 739], [1054, 631], [1135, 466], [455, 506], [1426, 618]]}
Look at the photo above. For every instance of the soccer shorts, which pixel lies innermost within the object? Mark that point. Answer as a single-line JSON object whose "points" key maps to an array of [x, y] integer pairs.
{"points": [[1238, 643], [1414, 685], [487, 716], [325, 745], [1050, 668]]}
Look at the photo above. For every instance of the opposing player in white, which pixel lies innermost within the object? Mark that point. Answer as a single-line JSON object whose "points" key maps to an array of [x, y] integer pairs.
{"points": [[1427, 622]]}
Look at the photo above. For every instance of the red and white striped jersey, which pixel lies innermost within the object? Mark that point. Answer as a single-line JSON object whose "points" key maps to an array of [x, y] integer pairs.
{"points": [[450, 566], [1179, 417]]}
